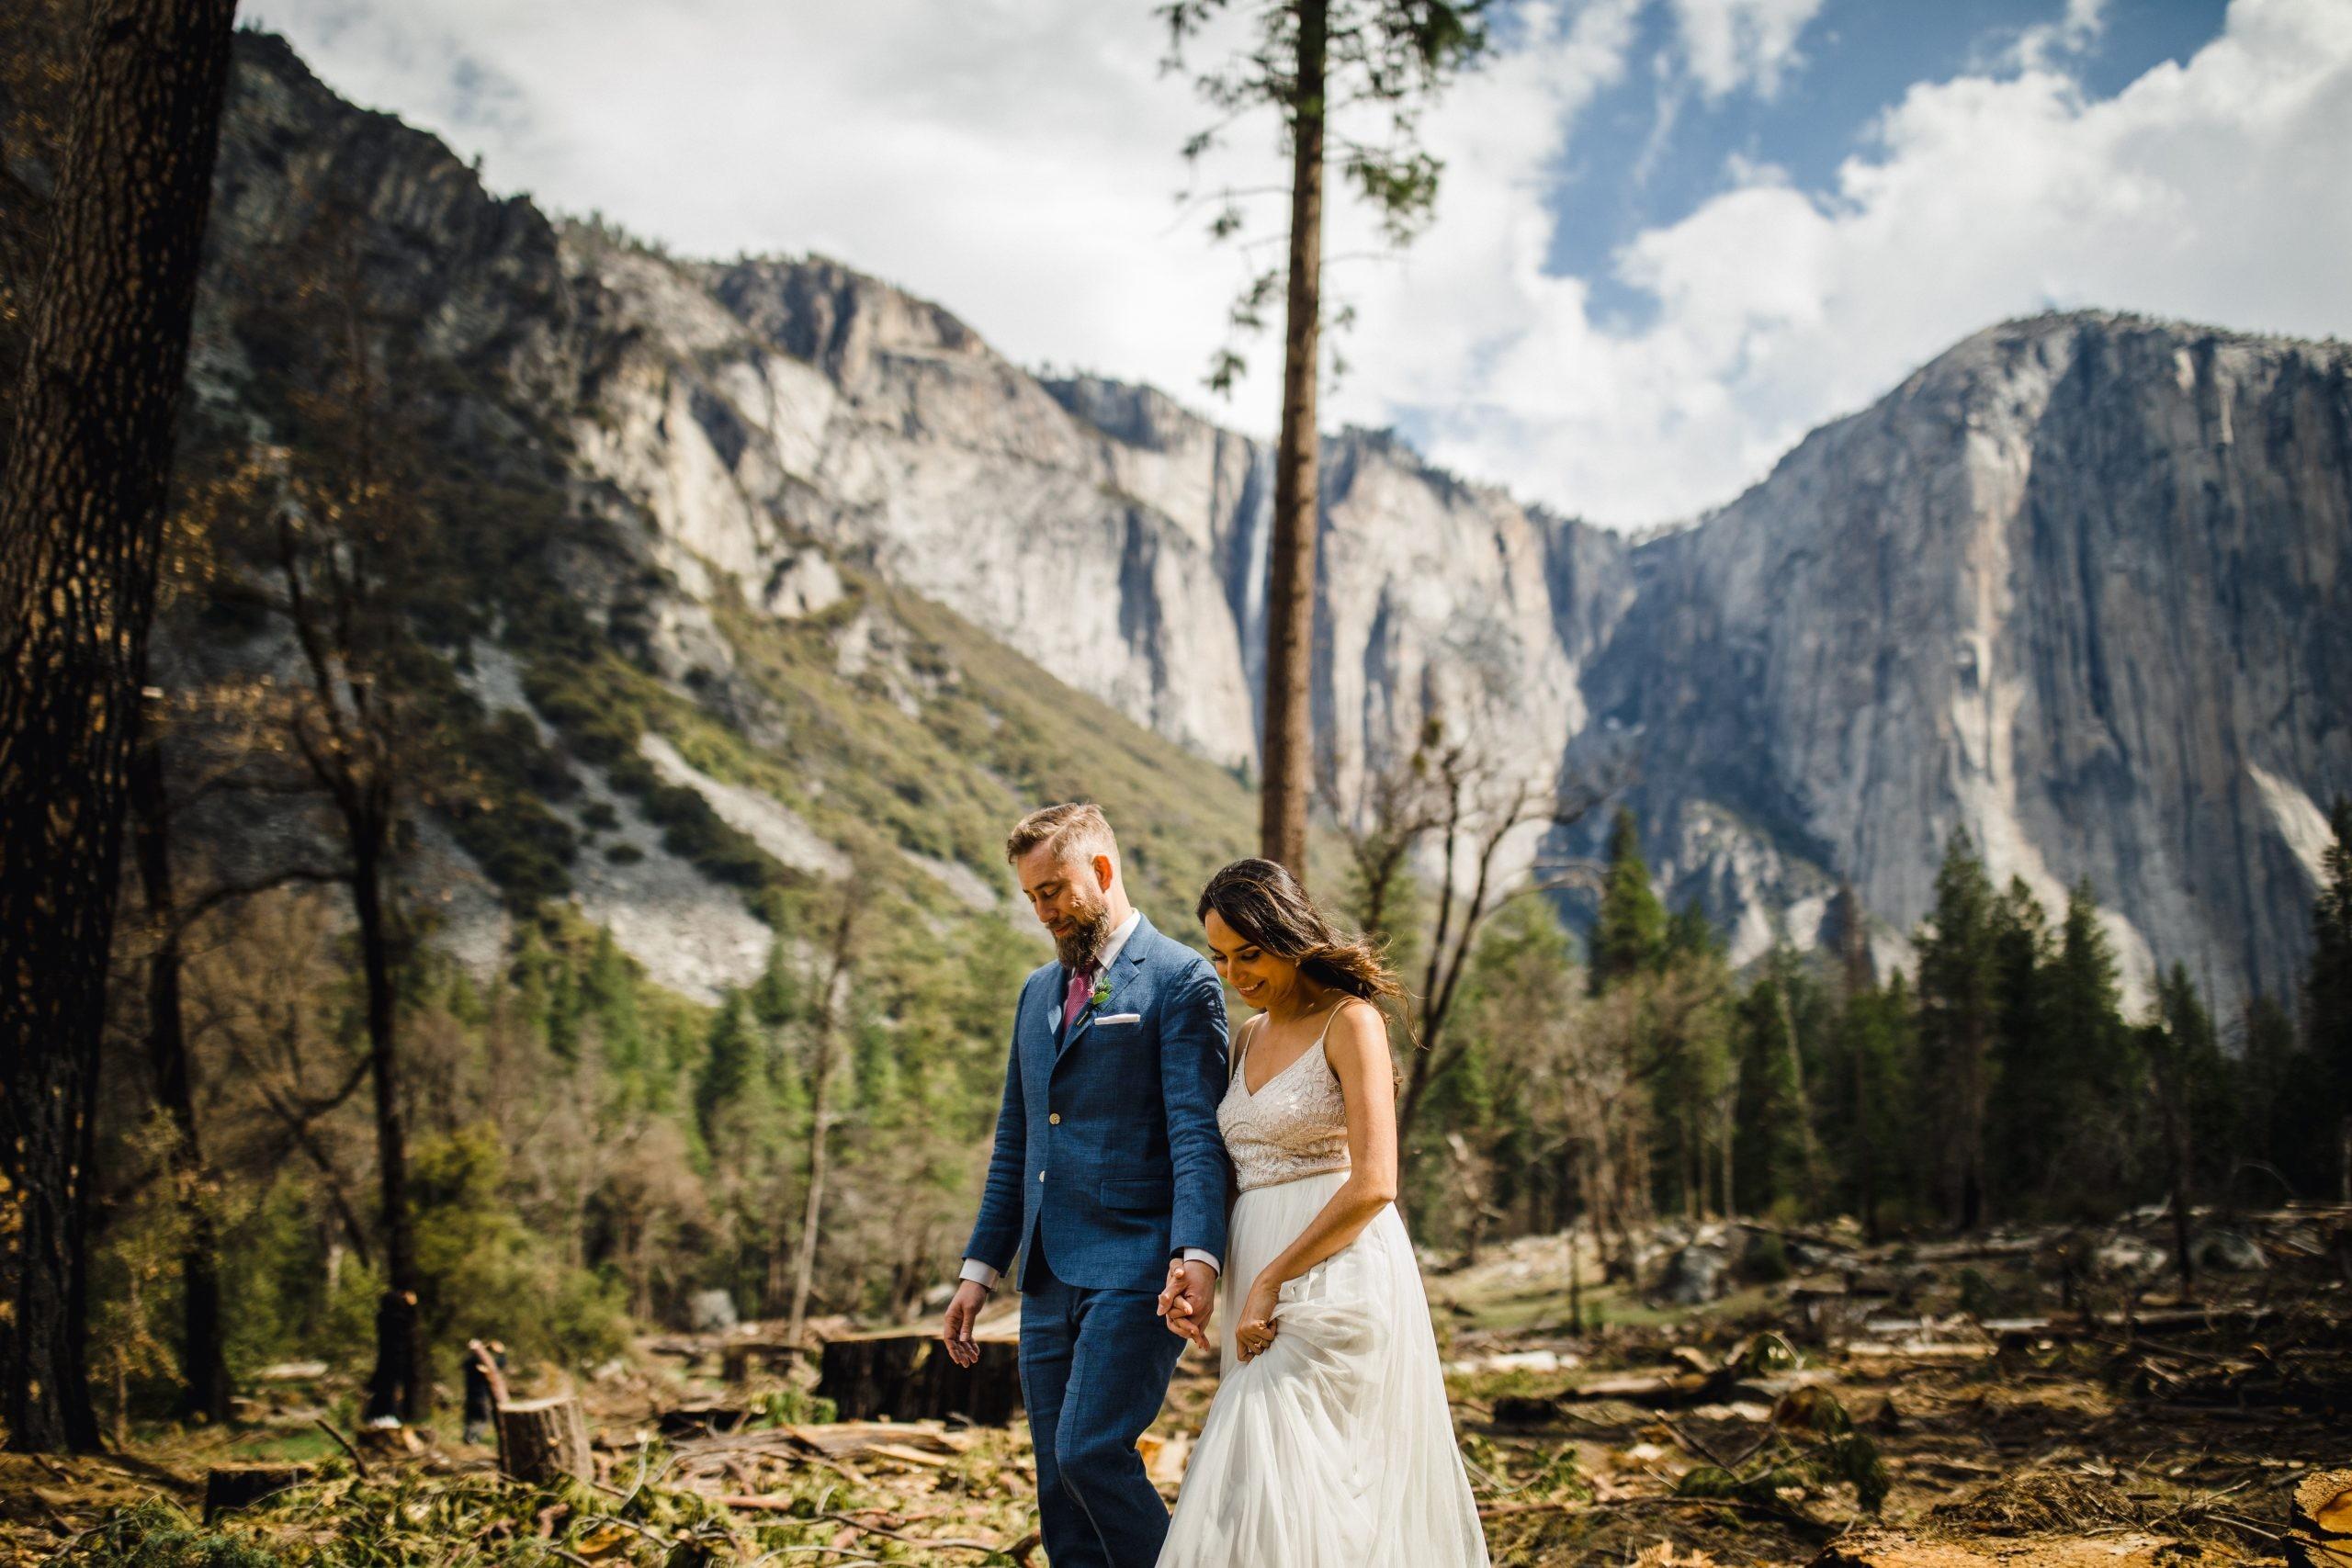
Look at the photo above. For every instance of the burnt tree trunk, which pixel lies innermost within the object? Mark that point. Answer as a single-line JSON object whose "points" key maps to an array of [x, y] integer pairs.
{"points": [[909, 1377], [830, 1002], [400, 1385], [204, 1367], [1288, 742], [81, 516], [229, 1487]]}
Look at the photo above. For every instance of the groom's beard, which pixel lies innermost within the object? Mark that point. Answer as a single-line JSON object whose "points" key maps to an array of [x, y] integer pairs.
{"points": [[1085, 944]]}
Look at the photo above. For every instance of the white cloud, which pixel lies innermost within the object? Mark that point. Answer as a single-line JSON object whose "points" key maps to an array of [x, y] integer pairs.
{"points": [[2046, 45], [1729, 44], [1016, 160], [2211, 191]]}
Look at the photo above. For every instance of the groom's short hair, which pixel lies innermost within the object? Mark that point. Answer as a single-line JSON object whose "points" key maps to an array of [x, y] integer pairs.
{"points": [[1075, 830]]}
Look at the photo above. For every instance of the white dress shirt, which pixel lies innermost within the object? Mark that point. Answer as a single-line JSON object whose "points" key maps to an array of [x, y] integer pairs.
{"points": [[975, 1269]]}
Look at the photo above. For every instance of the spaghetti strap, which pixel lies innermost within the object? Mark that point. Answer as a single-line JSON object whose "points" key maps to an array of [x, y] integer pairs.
{"points": [[1330, 1017], [1249, 1037]]}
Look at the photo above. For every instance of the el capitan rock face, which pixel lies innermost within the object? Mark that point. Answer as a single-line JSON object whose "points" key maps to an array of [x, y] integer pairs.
{"points": [[2078, 584]]}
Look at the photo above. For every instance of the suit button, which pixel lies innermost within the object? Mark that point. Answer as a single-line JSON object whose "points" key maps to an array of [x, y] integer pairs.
{"points": [[1041, 1176], [1055, 1117]]}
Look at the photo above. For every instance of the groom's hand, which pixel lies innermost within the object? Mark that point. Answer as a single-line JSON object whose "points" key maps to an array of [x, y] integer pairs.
{"points": [[956, 1332], [1190, 1299]]}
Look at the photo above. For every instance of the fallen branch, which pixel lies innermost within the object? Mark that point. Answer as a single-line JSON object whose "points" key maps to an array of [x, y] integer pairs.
{"points": [[359, 1465]]}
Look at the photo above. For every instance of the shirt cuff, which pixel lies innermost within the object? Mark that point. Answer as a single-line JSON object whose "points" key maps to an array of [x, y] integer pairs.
{"points": [[980, 1273], [1194, 1255]]}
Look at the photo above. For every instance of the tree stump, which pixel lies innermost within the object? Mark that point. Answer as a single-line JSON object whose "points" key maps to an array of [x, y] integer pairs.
{"points": [[908, 1377], [543, 1440], [2319, 1516], [231, 1486]]}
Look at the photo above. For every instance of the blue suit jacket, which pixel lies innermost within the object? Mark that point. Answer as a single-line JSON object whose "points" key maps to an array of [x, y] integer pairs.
{"points": [[1107, 1145]]}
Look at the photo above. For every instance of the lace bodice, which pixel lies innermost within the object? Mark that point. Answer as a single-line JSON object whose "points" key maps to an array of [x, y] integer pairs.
{"points": [[1296, 1125]]}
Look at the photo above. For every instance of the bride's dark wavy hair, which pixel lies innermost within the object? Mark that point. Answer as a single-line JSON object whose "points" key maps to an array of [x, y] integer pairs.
{"points": [[1266, 907]]}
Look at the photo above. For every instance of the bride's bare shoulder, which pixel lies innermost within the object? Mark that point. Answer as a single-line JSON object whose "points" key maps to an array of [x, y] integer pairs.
{"points": [[1355, 1022]]}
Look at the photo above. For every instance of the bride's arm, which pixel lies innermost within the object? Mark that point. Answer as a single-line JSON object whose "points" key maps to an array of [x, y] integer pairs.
{"points": [[1358, 1050]]}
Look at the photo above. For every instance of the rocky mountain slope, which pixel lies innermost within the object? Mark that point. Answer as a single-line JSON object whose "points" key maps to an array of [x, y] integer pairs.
{"points": [[2078, 585]]}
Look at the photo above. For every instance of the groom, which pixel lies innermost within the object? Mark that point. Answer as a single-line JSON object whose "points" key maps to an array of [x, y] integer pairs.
{"points": [[1107, 1165]]}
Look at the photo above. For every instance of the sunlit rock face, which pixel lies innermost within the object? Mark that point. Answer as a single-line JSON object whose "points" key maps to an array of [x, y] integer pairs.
{"points": [[2078, 585], [2073, 586]]}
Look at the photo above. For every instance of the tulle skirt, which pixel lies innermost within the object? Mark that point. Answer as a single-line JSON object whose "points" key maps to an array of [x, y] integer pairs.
{"points": [[1333, 1449]]}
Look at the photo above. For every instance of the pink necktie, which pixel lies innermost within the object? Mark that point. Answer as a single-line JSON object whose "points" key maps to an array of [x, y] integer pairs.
{"points": [[1081, 985]]}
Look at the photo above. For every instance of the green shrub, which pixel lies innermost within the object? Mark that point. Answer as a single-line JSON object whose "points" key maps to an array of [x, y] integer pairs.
{"points": [[154, 1534]]}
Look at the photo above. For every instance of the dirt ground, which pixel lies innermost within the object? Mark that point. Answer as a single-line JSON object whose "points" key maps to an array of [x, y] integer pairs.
{"points": [[1855, 1413]]}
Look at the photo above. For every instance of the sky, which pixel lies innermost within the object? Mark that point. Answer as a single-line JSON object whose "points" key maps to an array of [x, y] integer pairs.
{"points": [[1672, 236]]}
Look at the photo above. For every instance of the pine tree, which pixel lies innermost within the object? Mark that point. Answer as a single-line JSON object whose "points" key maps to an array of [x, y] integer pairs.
{"points": [[2271, 1125], [1873, 1048], [1769, 1137], [2024, 1109], [1959, 1019], [1691, 934], [2092, 1069], [729, 1065], [1630, 936], [1307, 56], [82, 504], [608, 996]]}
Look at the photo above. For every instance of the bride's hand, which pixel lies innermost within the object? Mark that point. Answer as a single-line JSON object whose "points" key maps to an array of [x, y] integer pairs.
{"points": [[1254, 1329]]}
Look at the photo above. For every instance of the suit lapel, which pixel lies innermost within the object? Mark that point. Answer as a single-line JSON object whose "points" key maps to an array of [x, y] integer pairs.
{"points": [[1124, 970], [1037, 1049]]}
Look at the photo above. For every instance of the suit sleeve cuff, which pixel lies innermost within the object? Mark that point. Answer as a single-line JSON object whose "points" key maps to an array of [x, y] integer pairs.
{"points": [[1194, 1255], [980, 1273]]}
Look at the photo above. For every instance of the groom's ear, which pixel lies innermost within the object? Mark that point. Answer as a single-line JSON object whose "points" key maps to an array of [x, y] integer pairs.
{"points": [[1104, 871]]}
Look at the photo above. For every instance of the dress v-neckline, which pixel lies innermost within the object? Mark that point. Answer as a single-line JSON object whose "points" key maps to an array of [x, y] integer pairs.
{"points": [[1242, 1077]]}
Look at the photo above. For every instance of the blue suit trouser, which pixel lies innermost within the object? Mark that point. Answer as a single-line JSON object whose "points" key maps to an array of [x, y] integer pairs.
{"points": [[1094, 1370]]}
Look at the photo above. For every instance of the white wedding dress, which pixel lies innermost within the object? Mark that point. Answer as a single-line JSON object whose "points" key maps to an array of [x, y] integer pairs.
{"points": [[1333, 1447]]}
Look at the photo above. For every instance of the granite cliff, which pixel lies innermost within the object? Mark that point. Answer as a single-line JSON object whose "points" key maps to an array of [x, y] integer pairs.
{"points": [[2079, 585]]}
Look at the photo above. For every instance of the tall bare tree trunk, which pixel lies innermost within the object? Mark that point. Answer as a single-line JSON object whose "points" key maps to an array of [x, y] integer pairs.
{"points": [[204, 1368], [81, 517], [1288, 743], [829, 1005], [398, 1385]]}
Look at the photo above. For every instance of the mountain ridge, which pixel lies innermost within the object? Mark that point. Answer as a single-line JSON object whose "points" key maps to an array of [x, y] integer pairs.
{"points": [[772, 430]]}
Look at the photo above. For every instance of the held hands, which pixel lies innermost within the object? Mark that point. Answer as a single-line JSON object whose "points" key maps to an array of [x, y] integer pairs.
{"points": [[956, 1332], [1189, 1299], [1255, 1328]]}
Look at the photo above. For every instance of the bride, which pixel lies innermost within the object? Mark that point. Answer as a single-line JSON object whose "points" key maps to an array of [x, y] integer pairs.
{"points": [[1329, 1444]]}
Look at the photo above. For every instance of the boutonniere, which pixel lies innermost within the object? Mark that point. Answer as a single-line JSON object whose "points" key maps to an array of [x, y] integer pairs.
{"points": [[1102, 993]]}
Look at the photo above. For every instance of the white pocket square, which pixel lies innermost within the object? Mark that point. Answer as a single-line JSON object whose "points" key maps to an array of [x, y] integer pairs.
{"points": [[1120, 1018]]}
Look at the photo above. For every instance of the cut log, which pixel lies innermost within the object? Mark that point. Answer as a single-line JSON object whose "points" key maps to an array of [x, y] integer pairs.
{"points": [[837, 1439], [908, 1377], [231, 1487], [544, 1441], [2322, 1504], [2319, 1515]]}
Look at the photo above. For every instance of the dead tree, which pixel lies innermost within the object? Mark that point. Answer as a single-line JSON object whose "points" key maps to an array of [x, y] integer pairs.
{"points": [[841, 965], [204, 1368], [337, 550], [1464, 798], [81, 516]]}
